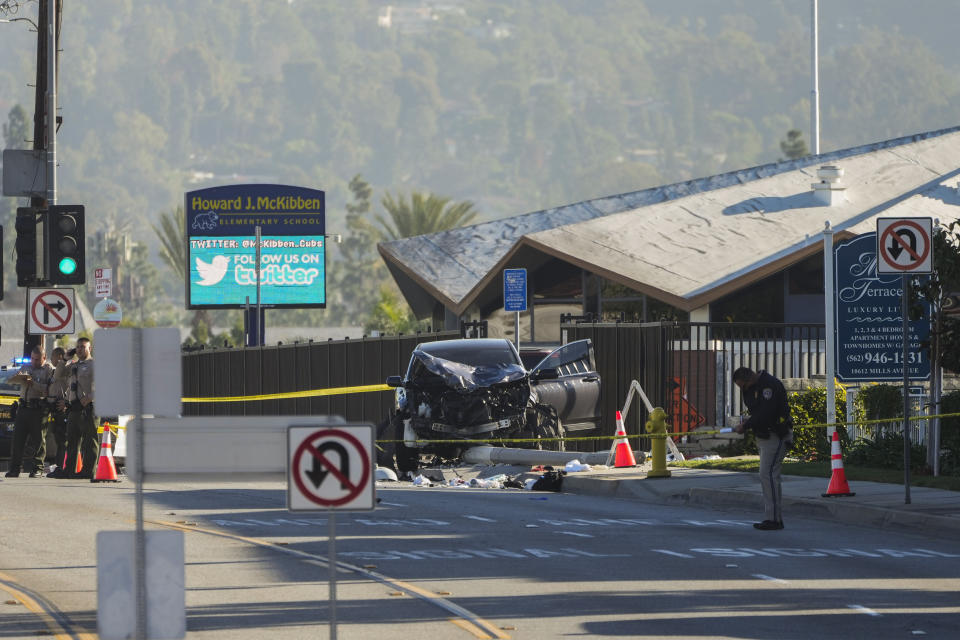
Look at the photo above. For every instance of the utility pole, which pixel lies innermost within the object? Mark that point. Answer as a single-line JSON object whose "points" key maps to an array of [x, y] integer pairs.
{"points": [[815, 79], [45, 128]]}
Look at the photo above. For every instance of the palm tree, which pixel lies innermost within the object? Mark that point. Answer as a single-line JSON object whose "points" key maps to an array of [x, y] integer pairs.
{"points": [[421, 215], [172, 235], [173, 252]]}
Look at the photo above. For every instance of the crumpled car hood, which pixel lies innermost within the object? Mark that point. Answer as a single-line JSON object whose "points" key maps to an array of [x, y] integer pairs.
{"points": [[469, 378]]}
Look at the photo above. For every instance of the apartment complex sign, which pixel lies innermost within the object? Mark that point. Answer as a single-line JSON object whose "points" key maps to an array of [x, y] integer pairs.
{"points": [[221, 225], [869, 323]]}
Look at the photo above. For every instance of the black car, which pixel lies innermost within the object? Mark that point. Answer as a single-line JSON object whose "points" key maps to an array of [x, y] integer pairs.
{"points": [[467, 389]]}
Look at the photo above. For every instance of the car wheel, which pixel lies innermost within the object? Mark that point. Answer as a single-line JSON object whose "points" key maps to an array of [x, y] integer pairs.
{"points": [[408, 459]]}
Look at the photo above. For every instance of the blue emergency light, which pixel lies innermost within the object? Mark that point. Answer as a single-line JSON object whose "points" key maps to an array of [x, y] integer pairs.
{"points": [[20, 360]]}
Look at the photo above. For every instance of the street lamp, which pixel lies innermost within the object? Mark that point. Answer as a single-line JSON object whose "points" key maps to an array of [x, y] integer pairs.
{"points": [[10, 7]]}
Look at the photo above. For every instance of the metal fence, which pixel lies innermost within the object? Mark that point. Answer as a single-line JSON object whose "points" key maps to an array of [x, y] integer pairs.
{"points": [[247, 371], [685, 367]]}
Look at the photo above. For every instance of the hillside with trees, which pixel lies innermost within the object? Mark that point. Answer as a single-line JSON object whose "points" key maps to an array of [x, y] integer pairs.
{"points": [[508, 106]]}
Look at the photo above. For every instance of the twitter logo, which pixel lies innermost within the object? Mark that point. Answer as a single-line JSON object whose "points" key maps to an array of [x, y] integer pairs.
{"points": [[212, 272]]}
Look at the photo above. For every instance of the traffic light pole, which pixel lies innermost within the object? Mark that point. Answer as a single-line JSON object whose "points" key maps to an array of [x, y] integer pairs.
{"points": [[51, 28], [45, 132]]}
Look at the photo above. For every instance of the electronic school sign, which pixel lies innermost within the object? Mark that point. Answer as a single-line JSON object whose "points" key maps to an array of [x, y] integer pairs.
{"points": [[221, 252], [869, 324]]}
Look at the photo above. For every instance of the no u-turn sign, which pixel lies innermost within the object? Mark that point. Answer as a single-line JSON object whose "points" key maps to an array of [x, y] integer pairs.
{"points": [[330, 467], [904, 245]]}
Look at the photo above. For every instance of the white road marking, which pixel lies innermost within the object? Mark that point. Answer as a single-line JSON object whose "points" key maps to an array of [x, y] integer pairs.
{"points": [[863, 609], [576, 533], [471, 554], [392, 504], [672, 553], [480, 518], [769, 578]]}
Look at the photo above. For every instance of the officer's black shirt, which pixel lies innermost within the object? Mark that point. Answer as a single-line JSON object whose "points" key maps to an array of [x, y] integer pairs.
{"points": [[766, 401]]}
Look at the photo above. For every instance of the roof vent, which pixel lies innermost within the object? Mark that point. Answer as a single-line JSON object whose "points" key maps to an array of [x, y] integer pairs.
{"points": [[828, 191]]}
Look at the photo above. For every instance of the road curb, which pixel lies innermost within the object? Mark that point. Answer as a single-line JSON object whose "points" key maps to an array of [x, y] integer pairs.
{"points": [[848, 511], [836, 509]]}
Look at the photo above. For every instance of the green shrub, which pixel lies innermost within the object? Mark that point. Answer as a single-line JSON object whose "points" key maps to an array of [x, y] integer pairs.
{"points": [[950, 435], [880, 401], [885, 451], [810, 407], [746, 446]]}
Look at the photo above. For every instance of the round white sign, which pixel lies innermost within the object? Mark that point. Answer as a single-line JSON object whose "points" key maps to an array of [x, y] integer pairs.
{"points": [[107, 313]]}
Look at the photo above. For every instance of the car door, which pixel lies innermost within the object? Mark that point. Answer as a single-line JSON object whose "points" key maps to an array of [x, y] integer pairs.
{"points": [[575, 392]]}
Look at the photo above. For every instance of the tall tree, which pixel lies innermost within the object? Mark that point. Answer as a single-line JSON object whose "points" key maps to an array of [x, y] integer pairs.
{"points": [[172, 233], [15, 133], [173, 251], [422, 214], [940, 289], [794, 146], [16, 130], [354, 279]]}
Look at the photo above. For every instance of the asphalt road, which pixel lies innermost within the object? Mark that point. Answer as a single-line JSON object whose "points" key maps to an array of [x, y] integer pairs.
{"points": [[450, 562]]}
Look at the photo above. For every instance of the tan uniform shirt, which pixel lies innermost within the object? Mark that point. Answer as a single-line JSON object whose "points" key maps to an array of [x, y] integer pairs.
{"points": [[58, 389], [79, 379], [41, 375]]}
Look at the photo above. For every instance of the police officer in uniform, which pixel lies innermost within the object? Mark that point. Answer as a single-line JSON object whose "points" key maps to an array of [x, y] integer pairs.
{"points": [[29, 425], [56, 405], [769, 419], [81, 421]]}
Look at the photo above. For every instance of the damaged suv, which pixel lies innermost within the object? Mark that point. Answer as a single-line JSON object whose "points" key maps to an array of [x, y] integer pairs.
{"points": [[479, 389]]}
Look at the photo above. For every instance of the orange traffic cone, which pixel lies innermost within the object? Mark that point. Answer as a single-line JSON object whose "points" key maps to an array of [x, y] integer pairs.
{"points": [[838, 481], [624, 452], [106, 469], [79, 462]]}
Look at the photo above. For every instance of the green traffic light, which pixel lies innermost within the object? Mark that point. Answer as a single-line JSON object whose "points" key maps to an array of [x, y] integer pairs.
{"points": [[67, 266]]}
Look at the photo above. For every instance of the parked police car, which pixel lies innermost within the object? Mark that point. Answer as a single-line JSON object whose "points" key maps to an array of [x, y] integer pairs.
{"points": [[9, 396]]}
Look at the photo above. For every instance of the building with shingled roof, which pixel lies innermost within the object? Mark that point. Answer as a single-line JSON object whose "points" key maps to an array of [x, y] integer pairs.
{"points": [[743, 245]]}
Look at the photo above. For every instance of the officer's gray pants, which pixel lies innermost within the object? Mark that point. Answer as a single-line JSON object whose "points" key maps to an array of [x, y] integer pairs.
{"points": [[772, 451]]}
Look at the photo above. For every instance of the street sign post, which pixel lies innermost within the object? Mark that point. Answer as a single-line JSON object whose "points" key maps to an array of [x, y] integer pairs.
{"points": [[868, 321], [905, 246], [50, 311], [515, 297], [331, 468]]}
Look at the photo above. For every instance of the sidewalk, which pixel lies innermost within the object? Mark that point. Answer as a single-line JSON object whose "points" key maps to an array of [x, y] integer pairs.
{"points": [[875, 504]]}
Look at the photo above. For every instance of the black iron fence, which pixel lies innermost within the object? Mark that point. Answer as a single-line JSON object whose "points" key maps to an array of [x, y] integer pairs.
{"points": [[306, 366], [685, 367]]}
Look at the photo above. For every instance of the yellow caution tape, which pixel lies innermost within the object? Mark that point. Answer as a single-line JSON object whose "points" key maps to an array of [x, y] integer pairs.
{"points": [[287, 395], [824, 425], [674, 434]]}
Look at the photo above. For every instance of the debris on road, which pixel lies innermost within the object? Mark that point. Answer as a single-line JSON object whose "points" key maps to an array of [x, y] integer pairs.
{"points": [[576, 465], [384, 473]]}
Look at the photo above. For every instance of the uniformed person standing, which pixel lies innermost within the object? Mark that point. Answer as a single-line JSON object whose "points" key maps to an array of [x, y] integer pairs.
{"points": [[81, 421], [56, 405], [29, 425], [769, 419]]}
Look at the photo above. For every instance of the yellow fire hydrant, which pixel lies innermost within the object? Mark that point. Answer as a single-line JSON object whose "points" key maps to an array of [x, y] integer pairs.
{"points": [[657, 428]]}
